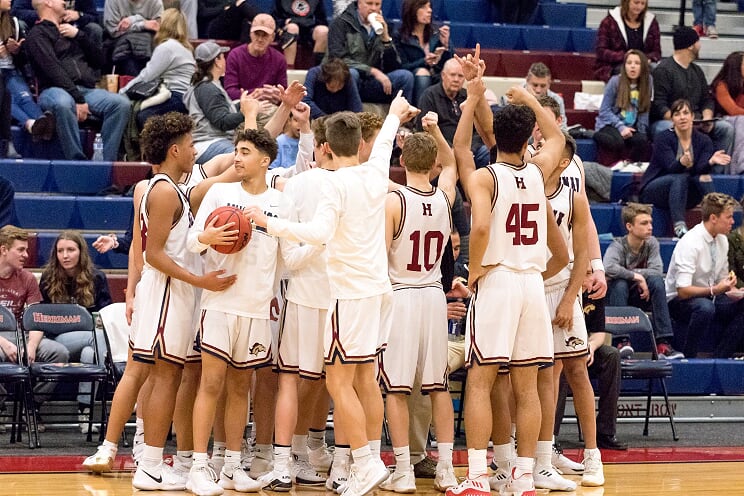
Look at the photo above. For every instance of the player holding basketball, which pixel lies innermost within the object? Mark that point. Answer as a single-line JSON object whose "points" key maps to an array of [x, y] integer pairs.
{"points": [[350, 218], [509, 242], [418, 224]]}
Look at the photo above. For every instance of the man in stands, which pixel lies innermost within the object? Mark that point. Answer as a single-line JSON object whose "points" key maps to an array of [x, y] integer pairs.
{"points": [[80, 13]]}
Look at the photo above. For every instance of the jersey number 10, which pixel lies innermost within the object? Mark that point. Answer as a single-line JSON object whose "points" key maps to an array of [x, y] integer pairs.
{"points": [[429, 251]]}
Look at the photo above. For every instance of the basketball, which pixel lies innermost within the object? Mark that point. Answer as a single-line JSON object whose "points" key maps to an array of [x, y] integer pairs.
{"points": [[245, 228]]}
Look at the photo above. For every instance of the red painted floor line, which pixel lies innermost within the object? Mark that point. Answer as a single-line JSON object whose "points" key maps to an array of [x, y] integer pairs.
{"points": [[73, 463]]}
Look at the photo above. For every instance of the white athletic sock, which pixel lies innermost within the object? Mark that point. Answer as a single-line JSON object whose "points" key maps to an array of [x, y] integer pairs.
{"points": [[111, 446], [362, 455], [523, 465], [152, 456], [544, 454], [299, 445], [374, 447], [341, 454], [445, 452], [200, 460], [232, 461], [477, 463], [281, 458], [402, 459], [315, 438], [502, 454], [264, 451], [186, 458], [218, 448]]}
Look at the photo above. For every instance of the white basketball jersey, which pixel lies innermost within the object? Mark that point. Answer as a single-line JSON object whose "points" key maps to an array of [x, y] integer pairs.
{"points": [[518, 228], [415, 255], [192, 179], [175, 245], [571, 176], [561, 201]]}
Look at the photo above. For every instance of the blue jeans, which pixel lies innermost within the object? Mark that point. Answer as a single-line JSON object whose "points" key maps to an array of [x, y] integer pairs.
{"points": [[370, 89], [696, 316], [722, 134], [80, 346], [219, 147], [675, 193], [112, 108], [621, 292], [24, 107], [173, 104], [704, 12]]}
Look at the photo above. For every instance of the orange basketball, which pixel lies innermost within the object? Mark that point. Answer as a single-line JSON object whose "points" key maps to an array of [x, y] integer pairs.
{"points": [[245, 228]]}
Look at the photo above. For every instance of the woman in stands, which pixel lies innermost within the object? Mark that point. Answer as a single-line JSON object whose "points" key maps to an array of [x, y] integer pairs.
{"points": [[728, 91], [172, 61], [681, 157], [23, 108], [215, 115], [70, 277], [422, 48], [622, 123], [628, 26]]}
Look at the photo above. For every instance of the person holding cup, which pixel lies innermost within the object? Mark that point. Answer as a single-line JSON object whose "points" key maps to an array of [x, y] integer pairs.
{"points": [[361, 38]]}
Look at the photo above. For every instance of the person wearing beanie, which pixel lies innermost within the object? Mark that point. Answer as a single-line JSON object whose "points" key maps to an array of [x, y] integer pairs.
{"points": [[679, 77]]}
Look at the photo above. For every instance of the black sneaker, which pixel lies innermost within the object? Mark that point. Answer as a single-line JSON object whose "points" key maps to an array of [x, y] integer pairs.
{"points": [[425, 469]]}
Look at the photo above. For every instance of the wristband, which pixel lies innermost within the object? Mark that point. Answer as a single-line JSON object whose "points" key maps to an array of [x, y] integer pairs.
{"points": [[711, 292], [597, 265]]}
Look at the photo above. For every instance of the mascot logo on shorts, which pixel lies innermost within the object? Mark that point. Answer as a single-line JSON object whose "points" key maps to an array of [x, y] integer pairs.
{"points": [[590, 307], [257, 348], [574, 342]]}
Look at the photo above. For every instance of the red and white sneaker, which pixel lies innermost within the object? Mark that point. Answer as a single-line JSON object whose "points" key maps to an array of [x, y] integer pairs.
{"points": [[523, 485], [471, 487]]}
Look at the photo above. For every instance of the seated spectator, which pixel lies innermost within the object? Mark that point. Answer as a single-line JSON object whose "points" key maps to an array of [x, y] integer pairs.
{"points": [[19, 289], [679, 77], [698, 282], [70, 277], [622, 124], [423, 50], [23, 108], [306, 23], [736, 252], [728, 91], [372, 58], [80, 13], [330, 89], [257, 67], [131, 25], [538, 83], [445, 99], [215, 115], [287, 144], [629, 26], [67, 64], [681, 163], [188, 9], [172, 61], [635, 274], [7, 150], [226, 20]]}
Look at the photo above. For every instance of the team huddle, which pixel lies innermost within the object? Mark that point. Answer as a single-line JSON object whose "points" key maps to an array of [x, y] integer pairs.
{"points": [[355, 263]]}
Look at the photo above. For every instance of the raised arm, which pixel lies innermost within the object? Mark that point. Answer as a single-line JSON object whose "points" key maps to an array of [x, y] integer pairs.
{"points": [[445, 155], [464, 134]]}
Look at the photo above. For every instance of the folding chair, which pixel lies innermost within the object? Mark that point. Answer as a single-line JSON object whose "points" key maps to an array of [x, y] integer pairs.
{"points": [[634, 323], [55, 319], [16, 375]]}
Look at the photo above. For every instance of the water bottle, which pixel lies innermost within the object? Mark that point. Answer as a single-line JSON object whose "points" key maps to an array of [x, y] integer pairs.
{"points": [[98, 148]]}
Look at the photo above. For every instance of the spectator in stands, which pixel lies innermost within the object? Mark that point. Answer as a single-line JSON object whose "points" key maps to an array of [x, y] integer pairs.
{"points": [[215, 115], [67, 63], [18, 289], [257, 67], [306, 23], [627, 26], [188, 9], [635, 274], [330, 89], [698, 281], [423, 49], [679, 77], [24, 108], [131, 25], [622, 123], [229, 20], [516, 11], [728, 91], [7, 202], [287, 144], [445, 99], [704, 18], [538, 83], [80, 13], [172, 61], [7, 150], [681, 163], [70, 277], [372, 58]]}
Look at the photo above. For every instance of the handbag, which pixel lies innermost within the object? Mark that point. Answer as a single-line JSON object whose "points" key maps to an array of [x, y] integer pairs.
{"points": [[143, 89]]}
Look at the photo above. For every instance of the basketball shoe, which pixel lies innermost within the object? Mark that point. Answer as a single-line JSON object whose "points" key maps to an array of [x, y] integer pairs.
{"points": [[523, 485], [593, 471], [471, 487], [159, 478], [549, 478], [276, 481], [320, 458], [365, 478], [499, 478], [239, 481], [338, 477], [564, 464], [400, 481], [303, 473], [101, 461], [445, 477], [202, 481]]}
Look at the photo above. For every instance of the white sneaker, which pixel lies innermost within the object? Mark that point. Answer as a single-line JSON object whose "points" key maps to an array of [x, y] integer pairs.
{"points": [[338, 477], [593, 471], [247, 453], [239, 481], [260, 466], [302, 473], [160, 478], [321, 459], [83, 419], [445, 477], [201, 482], [498, 479], [101, 461], [549, 478], [365, 478], [276, 481], [565, 465], [400, 481], [182, 467], [471, 487], [520, 486]]}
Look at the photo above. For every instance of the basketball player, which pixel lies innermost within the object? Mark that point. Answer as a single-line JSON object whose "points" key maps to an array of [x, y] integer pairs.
{"points": [[350, 220], [418, 223], [509, 323]]}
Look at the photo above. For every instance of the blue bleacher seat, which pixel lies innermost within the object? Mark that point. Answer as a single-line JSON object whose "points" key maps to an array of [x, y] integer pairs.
{"points": [[571, 15], [460, 35], [105, 213], [391, 9], [731, 185], [439, 12], [45, 212], [468, 10], [604, 216], [666, 248], [621, 183], [693, 376], [587, 150], [81, 177], [730, 376], [545, 38], [502, 36], [27, 176], [583, 40]]}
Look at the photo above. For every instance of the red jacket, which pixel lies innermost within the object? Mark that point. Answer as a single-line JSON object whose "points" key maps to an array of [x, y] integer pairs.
{"points": [[612, 42]]}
